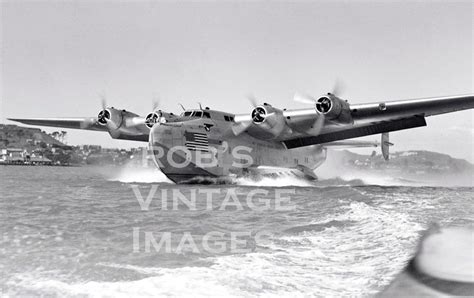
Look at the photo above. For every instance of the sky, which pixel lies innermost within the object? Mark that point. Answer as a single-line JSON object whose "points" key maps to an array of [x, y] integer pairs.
{"points": [[59, 56]]}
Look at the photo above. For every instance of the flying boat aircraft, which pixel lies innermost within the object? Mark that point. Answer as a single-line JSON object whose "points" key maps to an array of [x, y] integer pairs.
{"points": [[268, 141]]}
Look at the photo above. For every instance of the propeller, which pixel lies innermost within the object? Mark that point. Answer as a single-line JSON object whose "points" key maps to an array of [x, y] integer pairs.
{"points": [[103, 101], [304, 98], [105, 116], [135, 121], [318, 125], [150, 119], [155, 103], [156, 116], [153, 118], [239, 128], [338, 88], [252, 99], [258, 115], [323, 105], [243, 124], [88, 122]]}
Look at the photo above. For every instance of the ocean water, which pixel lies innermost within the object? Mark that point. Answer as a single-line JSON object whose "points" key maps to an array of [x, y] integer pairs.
{"points": [[70, 232]]}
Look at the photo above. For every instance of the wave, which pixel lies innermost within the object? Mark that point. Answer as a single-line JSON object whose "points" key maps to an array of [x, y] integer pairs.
{"points": [[135, 174], [138, 174], [131, 174], [353, 251], [316, 227], [274, 182]]}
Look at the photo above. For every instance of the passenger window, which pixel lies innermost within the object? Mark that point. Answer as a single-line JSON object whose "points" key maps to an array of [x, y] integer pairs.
{"points": [[226, 118], [207, 115]]}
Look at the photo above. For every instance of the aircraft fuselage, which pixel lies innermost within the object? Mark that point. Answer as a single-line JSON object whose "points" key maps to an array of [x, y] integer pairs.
{"points": [[207, 147]]}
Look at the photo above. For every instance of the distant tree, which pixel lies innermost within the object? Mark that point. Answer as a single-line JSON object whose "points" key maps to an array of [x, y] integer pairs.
{"points": [[76, 158], [64, 157], [43, 145], [48, 154]]}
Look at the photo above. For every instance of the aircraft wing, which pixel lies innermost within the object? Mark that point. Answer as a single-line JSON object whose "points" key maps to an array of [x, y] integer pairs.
{"points": [[381, 117], [120, 124], [389, 110], [87, 123]]}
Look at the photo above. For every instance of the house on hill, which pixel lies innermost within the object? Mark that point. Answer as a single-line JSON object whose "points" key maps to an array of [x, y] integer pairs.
{"points": [[12, 156], [16, 156]]}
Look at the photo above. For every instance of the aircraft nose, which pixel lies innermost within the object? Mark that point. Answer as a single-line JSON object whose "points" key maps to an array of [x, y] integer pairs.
{"points": [[162, 138], [161, 135]]}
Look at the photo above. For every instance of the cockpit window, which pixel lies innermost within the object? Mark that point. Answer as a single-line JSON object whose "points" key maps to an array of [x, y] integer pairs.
{"points": [[197, 114]]}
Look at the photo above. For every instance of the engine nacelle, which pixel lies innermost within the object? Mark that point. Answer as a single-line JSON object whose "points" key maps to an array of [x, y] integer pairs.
{"points": [[120, 123], [110, 116], [154, 117], [268, 121], [334, 108], [159, 117]]}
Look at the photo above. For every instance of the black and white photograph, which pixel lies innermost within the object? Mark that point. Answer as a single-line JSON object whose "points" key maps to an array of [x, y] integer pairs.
{"points": [[236, 148]]}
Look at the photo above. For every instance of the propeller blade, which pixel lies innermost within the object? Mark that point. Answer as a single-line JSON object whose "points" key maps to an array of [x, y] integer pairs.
{"points": [[244, 122], [103, 100], [155, 104], [318, 125], [111, 124], [304, 98], [135, 121], [338, 87], [87, 123], [239, 128], [253, 100]]}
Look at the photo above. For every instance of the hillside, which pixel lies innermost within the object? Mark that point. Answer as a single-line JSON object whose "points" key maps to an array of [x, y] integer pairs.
{"points": [[429, 168], [407, 161], [13, 136], [33, 144]]}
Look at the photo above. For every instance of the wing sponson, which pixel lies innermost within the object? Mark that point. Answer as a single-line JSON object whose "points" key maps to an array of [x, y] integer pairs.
{"points": [[370, 129]]}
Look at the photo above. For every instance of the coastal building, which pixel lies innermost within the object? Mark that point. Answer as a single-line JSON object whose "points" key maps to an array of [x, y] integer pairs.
{"points": [[12, 155], [17, 156]]}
